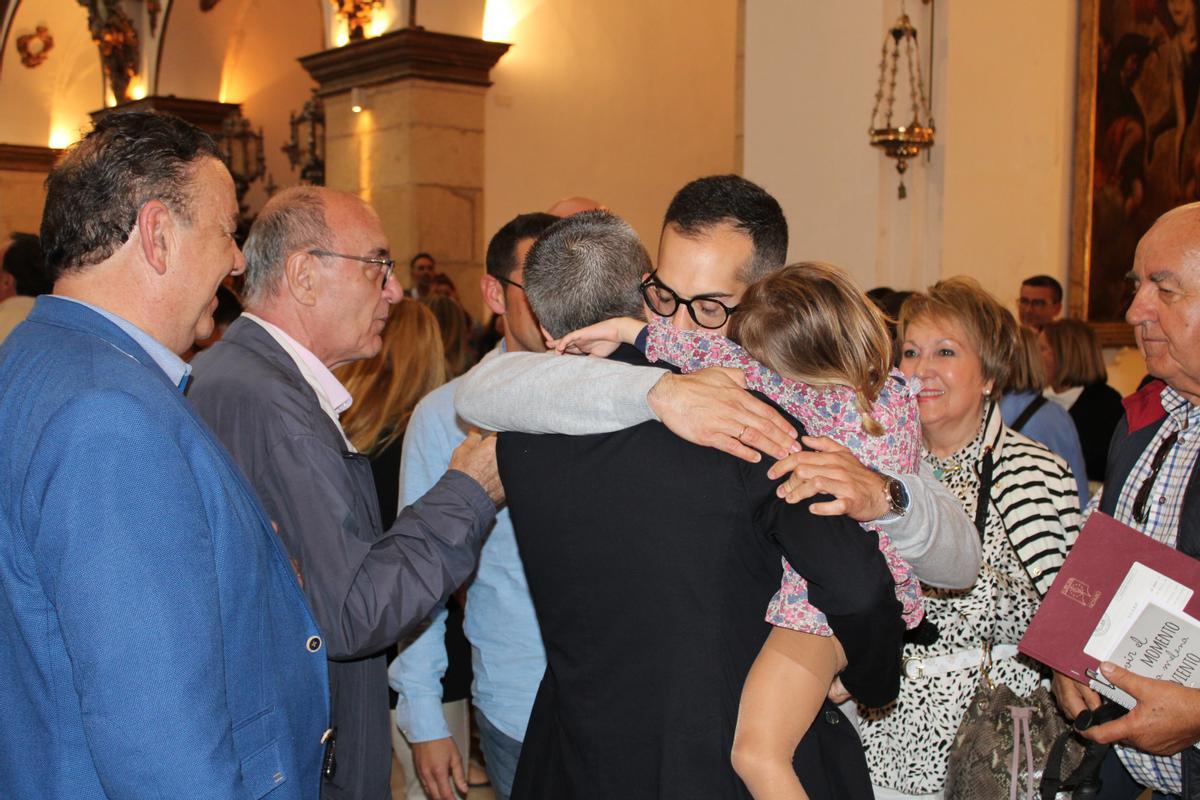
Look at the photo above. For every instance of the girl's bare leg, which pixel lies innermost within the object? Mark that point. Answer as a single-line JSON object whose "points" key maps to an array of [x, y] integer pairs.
{"points": [[783, 693]]}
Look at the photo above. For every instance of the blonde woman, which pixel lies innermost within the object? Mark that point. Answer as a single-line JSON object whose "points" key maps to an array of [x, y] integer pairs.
{"points": [[1026, 410], [1077, 380], [456, 331], [387, 388], [958, 341]]}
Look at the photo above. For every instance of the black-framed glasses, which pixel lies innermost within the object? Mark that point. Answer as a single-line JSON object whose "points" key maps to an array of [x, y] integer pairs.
{"points": [[707, 312], [1141, 503], [385, 265], [510, 282]]}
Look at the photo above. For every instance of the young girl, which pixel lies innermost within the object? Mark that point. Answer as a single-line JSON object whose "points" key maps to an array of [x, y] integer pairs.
{"points": [[824, 355]]}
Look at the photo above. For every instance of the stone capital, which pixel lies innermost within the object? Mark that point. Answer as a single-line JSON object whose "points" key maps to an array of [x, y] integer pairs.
{"points": [[405, 53]]}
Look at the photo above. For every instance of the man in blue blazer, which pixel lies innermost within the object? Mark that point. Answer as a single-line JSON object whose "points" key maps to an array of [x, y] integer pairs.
{"points": [[154, 641]]}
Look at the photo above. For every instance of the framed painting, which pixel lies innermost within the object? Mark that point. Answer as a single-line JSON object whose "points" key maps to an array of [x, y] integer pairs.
{"points": [[1137, 147]]}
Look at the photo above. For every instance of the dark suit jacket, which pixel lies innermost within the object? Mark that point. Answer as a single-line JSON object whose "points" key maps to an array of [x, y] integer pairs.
{"points": [[153, 639], [651, 562], [1096, 413], [368, 587], [1133, 435]]}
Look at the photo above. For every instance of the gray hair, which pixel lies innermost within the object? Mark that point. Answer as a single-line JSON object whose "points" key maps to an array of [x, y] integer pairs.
{"points": [[292, 220], [585, 269]]}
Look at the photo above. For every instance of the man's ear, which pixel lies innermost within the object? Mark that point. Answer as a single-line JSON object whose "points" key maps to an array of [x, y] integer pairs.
{"points": [[300, 275], [493, 294], [156, 232]]}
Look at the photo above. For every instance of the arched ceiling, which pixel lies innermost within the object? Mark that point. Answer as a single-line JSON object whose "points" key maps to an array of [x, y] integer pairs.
{"points": [[49, 103]]}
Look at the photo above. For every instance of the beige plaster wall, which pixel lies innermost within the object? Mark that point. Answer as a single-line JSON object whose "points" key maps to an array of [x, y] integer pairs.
{"points": [[993, 201], [623, 101]]}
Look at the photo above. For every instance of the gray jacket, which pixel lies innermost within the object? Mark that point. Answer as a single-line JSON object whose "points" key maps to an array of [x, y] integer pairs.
{"points": [[367, 587]]}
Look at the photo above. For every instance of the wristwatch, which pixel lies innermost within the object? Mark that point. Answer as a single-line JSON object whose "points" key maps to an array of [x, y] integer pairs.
{"points": [[896, 494]]}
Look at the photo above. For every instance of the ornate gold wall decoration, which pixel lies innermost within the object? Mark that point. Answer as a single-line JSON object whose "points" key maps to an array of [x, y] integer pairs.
{"points": [[358, 15], [113, 32], [35, 47]]}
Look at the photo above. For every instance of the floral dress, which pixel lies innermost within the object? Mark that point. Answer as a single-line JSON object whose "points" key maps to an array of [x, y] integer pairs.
{"points": [[908, 742], [828, 410]]}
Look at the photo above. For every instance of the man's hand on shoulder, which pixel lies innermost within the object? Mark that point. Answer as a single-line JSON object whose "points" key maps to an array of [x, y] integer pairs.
{"points": [[436, 762], [712, 408], [830, 468], [1165, 720], [476, 456]]}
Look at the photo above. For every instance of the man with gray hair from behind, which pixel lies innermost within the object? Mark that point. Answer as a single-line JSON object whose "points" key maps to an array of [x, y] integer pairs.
{"points": [[585, 269], [319, 285], [649, 559]]}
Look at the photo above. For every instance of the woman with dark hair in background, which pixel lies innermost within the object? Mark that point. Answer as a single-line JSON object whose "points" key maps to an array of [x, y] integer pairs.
{"points": [[1076, 378]]}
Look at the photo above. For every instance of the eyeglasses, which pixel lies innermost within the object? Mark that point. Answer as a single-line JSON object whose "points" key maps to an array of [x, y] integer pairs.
{"points": [[1141, 503], [384, 265], [510, 283], [706, 312]]}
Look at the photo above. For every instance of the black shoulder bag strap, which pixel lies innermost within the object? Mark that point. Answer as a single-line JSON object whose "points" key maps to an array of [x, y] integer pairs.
{"points": [[985, 490], [1028, 412]]}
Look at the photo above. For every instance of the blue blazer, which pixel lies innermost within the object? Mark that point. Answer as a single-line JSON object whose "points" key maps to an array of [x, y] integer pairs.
{"points": [[154, 641]]}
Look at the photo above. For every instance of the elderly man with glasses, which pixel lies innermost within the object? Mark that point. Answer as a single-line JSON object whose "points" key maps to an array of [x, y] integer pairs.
{"points": [[318, 290], [1151, 486]]}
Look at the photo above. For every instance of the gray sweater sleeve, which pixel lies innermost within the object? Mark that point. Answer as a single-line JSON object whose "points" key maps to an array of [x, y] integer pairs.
{"points": [[935, 535], [548, 393]]}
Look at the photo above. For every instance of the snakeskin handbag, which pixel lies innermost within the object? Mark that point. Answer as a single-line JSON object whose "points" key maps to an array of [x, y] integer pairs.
{"points": [[1003, 743]]}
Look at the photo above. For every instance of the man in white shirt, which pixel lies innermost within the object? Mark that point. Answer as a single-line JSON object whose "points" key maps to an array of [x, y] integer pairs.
{"points": [[318, 290]]}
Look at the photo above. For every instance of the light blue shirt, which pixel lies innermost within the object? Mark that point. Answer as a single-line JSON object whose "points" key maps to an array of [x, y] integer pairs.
{"points": [[175, 367], [506, 645], [1052, 426]]}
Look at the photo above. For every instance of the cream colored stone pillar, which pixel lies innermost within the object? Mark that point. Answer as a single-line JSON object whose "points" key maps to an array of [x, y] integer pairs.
{"points": [[23, 170], [415, 149]]}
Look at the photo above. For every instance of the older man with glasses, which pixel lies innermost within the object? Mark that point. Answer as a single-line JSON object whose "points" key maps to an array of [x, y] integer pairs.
{"points": [[1151, 486], [318, 290]]}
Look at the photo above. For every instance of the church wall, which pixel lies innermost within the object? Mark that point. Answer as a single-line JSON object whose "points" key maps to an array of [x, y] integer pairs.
{"points": [[623, 101], [21, 201], [992, 201], [224, 55]]}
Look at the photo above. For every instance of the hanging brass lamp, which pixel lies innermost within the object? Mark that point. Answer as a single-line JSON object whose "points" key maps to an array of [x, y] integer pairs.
{"points": [[905, 141]]}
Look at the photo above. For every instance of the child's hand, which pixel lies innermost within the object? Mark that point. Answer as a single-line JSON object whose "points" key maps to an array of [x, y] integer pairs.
{"points": [[599, 339]]}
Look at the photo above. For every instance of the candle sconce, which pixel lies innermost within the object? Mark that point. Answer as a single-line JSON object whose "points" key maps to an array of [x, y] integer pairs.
{"points": [[242, 150], [309, 126]]}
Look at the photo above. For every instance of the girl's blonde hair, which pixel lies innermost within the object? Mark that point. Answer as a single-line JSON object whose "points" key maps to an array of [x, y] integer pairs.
{"points": [[810, 323], [388, 387]]}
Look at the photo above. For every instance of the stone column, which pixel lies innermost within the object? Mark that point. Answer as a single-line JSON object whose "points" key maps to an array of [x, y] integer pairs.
{"points": [[23, 170], [415, 149]]}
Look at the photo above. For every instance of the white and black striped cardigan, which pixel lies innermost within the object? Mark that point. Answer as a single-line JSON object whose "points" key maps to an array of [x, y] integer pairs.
{"points": [[1036, 497]]}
